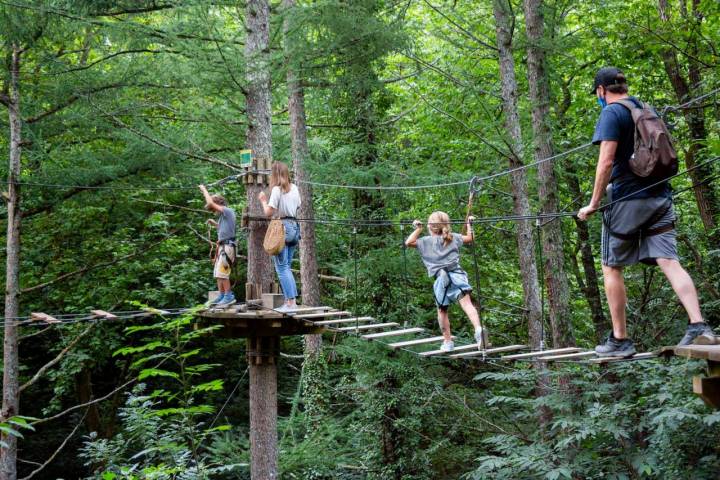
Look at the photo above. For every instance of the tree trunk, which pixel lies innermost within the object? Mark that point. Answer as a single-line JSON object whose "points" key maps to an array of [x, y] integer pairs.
{"points": [[552, 245], [259, 132], [83, 385], [11, 394], [263, 368], [589, 283], [521, 202], [591, 290], [685, 89], [313, 381]]}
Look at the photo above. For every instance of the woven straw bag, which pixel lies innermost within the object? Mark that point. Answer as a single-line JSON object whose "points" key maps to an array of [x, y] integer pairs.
{"points": [[274, 237]]}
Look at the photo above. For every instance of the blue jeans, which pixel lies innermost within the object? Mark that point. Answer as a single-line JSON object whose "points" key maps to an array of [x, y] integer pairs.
{"points": [[283, 260]]}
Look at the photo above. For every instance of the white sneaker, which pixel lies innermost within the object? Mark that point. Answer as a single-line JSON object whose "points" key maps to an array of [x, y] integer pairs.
{"points": [[481, 338], [285, 309], [447, 346]]}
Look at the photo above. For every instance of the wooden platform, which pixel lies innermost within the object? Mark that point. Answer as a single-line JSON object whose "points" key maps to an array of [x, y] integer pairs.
{"points": [[708, 387], [240, 321]]}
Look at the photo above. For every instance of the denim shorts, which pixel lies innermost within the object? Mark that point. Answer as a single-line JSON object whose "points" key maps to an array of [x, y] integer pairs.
{"points": [[449, 287]]}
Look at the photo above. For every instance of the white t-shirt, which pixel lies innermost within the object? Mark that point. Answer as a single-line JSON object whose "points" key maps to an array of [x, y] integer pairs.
{"points": [[285, 204]]}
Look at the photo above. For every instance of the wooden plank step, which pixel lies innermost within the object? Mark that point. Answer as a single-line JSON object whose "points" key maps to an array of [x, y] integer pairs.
{"points": [[310, 316], [461, 348], [370, 326], [489, 351], [43, 317], [103, 314], [570, 356], [344, 320], [637, 356], [393, 333], [541, 353], [304, 309], [419, 341]]}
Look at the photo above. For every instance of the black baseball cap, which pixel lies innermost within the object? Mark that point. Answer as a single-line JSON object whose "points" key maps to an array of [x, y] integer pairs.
{"points": [[608, 76]]}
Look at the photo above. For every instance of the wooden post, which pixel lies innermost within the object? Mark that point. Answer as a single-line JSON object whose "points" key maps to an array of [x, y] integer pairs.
{"points": [[261, 355]]}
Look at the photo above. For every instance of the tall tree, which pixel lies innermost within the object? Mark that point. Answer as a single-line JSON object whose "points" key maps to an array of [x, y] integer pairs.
{"points": [[685, 88], [313, 384], [263, 373], [11, 392], [504, 22], [551, 231]]}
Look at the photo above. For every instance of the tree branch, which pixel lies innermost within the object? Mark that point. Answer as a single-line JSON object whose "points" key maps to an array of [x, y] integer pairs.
{"points": [[55, 360], [72, 99], [96, 266], [56, 452], [108, 57], [74, 191]]}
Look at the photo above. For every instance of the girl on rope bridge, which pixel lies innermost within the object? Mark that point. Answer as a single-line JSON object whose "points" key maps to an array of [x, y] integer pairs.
{"points": [[440, 252]]}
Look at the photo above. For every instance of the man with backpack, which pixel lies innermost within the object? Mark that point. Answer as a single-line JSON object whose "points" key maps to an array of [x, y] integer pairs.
{"points": [[636, 156]]}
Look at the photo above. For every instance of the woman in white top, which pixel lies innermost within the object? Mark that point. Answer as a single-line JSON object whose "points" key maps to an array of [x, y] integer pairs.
{"points": [[284, 203]]}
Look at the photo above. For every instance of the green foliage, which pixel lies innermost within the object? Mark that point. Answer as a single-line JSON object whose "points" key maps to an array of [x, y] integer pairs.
{"points": [[148, 101]]}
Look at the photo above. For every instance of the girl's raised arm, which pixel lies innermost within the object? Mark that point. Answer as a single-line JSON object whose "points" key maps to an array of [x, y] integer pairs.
{"points": [[469, 236], [411, 240]]}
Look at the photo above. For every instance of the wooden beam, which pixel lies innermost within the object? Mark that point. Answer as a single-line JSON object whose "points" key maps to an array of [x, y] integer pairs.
{"points": [[570, 356], [637, 356], [461, 348], [541, 353], [43, 317], [310, 316], [708, 388], [344, 320], [393, 333], [419, 341], [489, 351], [367, 327], [703, 352]]}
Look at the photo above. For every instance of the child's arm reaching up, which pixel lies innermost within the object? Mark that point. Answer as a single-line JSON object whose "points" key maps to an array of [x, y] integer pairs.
{"points": [[411, 241], [469, 236]]}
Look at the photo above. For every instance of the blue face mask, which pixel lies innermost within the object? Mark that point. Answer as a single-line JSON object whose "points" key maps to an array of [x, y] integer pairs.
{"points": [[602, 102]]}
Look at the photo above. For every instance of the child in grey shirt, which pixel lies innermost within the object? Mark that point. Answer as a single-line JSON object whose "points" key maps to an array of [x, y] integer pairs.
{"points": [[440, 252]]}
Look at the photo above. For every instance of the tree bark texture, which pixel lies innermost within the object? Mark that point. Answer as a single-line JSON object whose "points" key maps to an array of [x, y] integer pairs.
{"points": [[685, 89], [263, 408], [552, 245], [11, 394], [263, 373], [314, 382], [521, 202], [259, 132], [588, 281]]}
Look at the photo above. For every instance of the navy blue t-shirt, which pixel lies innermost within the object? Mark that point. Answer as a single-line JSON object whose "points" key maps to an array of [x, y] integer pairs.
{"points": [[616, 124]]}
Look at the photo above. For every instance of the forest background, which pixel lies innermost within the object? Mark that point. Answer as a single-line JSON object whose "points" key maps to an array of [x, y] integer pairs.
{"points": [[116, 111]]}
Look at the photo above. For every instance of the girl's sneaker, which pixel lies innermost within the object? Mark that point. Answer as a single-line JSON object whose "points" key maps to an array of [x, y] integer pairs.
{"points": [[447, 346]]}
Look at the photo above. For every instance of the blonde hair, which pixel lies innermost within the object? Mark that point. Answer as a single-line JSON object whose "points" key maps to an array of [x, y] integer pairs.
{"points": [[219, 199], [439, 224], [280, 177]]}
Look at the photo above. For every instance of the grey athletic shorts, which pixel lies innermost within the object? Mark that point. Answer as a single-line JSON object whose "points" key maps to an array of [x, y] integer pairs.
{"points": [[626, 218]]}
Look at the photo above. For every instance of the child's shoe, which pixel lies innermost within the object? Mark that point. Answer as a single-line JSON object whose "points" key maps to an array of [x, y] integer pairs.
{"points": [[228, 299], [481, 338], [214, 302], [447, 346]]}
